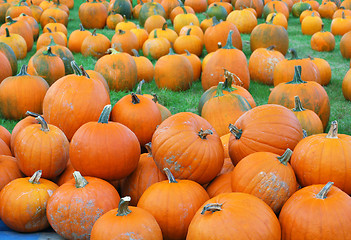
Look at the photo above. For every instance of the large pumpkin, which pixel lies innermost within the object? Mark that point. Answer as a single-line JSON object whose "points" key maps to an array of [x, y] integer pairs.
{"points": [[189, 146], [234, 216], [168, 200], [308, 214], [76, 205], [86, 97], [266, 128], [320, 158], [104, 149]]}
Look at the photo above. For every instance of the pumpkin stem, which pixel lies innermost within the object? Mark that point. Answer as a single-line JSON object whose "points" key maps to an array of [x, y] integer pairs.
{"points": [[219, 45], [135, 99], [164, 26], [105, 114], [10, 20], [148, 148], [52, 18], [32, 114], [219, 91], [155, 98], [23, 71], [123, 209], [212, 207], [36, 177], [229, 78], [135, 52], [49, 29], [270, 48], [214, 21], [203, 134], [325, 190], [304, 133], [140, 84], [229, 44], [297, 76], [76, 69], [188, 32], [185, 12], [298, 105], [52, 41], [43, 123], [293, 53], [170, 176], [94, 32], [112, 51], [333, 131], [48, 52], [81, 28], [235, 131], [80, 180], [171, 51], [120, 31], [187, 52], [284, 159], [84, 73], [7, 32]]}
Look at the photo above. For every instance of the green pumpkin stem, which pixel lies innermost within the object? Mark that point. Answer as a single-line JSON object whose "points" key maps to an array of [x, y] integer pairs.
{"points": [[112, 51], [212, 207], [52, 18], [325, 190], [169, 175], [270, 48], [7, 32], [171, 51], [235, 131], [164, 26], [32, 114], [76, 69], [229, 78], [298, 105], [81, 27], [203, 133], [123, 205], [304, 133], [43, 123], [297, 76], [52, 42], [80, 180], [135, 52], [148, 148], [185, 12], [105, 114], [188, 32], [333, 131], [48, 52], [155, 33], [293, 53], [187, 52], [9, 20], [23, 71], [120, 31], [94, 32], [84, 73], [135, 99], [229, 44], [155, 98], [140, 84], [284, 159], [219, 91], [35, 179]]}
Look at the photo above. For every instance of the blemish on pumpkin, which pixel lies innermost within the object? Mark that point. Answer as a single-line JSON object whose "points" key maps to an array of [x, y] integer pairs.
{"points": [[177, 166], [169, 160]]}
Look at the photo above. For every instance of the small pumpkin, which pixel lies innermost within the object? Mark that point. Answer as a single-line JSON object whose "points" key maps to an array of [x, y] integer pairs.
{"points": [[323, 41], [92, 10], [95, 45], [9, 170]]}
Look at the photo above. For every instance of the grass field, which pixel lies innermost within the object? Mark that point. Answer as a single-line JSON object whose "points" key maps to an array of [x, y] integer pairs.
{"points": [[188, 100]]}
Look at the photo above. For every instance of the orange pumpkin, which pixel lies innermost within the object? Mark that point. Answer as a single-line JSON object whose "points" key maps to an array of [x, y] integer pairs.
{"points": [[92, 10], [323, 41], [9, 170], [221, 184], [346, 86], [95, 45], [145, 69], [76, 38], [243, 19], [124, 41], [16, 42]]}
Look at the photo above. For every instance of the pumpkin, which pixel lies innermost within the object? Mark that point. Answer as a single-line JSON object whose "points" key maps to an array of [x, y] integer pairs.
{"points": [[255, 4], [23, 83], [16, 42], [198, 5], [168, 200], [230, 58], [223, 109], [346, 86], [229, 86], [179, 142], [345, 45], [323, 41], [311, 24], [262, 63], [340, 25], [141, 34], [92, 10], [284, 70], [278, 19], [5, 135], [95, 45], [56, 26], [341, 11], [118, 80], [218, 32], [188, 42], [10, 55], [36, 12], [125, 25], [309, 211], [184, 19], [131, 110], [124, 41], [145, 69], [179, 10], [32, 23], [16, 9], [58, 14], [76, 38], [315, 160], [195, 63], [276, 7], [249, 137], [308, 12], [83, 155], [76, 205], [267, 176], [174, 72], [153, 22], [218, 11], [231, 216], [131, 221], [85, 108], [324, 69], [97, 76], [4, 5], [312, 95], [169, 5], [123, 7], [308, 119], [243, 19], [148, 9], [164, 32], [29, 196], [66, 175], [327, 9], [195, 30], [9, 170], [113, 19], [47, 65], [142, 177], [45, 39], [221, 184], [299, 7], [268, 34], [48, 148]]}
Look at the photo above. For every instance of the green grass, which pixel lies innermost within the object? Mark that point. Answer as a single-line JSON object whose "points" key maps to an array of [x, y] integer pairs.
{"points": [[188, 100]]}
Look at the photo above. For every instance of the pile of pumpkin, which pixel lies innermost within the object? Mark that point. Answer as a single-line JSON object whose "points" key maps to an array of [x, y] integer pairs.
{"points": [[72, 156]]}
